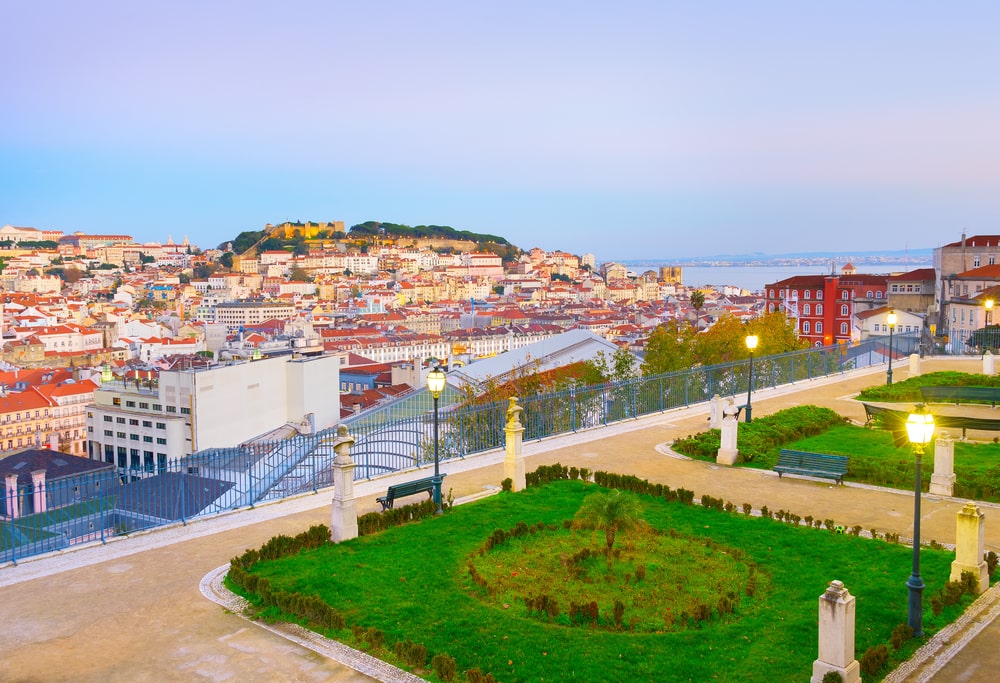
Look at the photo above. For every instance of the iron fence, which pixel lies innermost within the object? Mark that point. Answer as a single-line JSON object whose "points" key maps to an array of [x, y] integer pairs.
{"points": [[398, 436]]}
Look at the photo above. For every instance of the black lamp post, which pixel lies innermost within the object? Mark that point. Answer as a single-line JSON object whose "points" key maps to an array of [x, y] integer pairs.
{"points": [[751, 345], [919, 429], [435, 384], [891, 319]]}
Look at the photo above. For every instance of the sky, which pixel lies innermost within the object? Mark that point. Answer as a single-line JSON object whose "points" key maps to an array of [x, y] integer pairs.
{"points": [[625, 129]]}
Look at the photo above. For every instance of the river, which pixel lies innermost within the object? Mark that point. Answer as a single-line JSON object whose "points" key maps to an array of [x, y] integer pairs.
{"points": [[754, 278]]}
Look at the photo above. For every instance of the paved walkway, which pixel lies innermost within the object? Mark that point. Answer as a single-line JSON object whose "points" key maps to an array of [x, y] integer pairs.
{"points": [[131, 610]]}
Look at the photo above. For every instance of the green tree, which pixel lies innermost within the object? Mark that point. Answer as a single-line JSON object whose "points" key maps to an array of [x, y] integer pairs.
{"points": [[697, 299], [620, 365], [776, 334], [723, 342], [226, 260], [298, 274], [613, 513], [669, 348]]}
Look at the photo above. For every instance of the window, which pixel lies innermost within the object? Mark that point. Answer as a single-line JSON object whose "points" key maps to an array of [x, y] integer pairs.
{"points": [[144, 406], [991, 260], [134, 423], [878, 295], [109, 453], [819, 309], [147, 439], [844, 309], [975, 262], [90, 429], [116, 401], [109, 432], [147, 423], [161, 461], [185, 411], [161, 425], [161, 441], [807, 294], [806, 309], [846, 294], [107, 418], [135, 459], [770, 308], [819, 327], [819, 293], [122, 457], [868, 294], [805, 326], [157, 406], [876, 327], [121, 435], [171, 409], [120, 420], [133, 437], [130, 404]]}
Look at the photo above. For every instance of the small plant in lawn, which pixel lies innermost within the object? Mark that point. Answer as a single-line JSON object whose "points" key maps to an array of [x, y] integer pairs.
{"points": [[874, 659], [444, 666]]}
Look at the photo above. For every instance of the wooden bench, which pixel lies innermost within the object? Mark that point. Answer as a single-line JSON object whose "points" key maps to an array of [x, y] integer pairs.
{"points": [[956, 395], [408, 488], [812, 464]]}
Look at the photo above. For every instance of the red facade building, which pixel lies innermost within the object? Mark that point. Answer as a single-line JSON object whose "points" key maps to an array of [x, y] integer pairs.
{"points": [[823, 306]]}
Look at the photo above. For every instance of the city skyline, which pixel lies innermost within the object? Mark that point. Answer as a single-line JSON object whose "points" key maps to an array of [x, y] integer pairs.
{"points": [[651, 130]]}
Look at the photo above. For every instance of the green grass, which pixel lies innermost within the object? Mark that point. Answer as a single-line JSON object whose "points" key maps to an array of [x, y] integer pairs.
{"points": [[875, 460], [413, 583]]}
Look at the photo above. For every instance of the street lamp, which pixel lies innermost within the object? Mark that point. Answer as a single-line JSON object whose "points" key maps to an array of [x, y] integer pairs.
{"points": [[435, 384], [919, 429], [891, 319], [751, 345]]}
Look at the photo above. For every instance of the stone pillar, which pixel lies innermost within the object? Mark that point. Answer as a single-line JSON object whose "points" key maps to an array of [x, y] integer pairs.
{"points": [[943, 478], [10, 495], [344, 518], [513, 462], [987, 363], [914, 365], [727, 448], [836, 635], [715, 407], [970, 546], [38, 497]]}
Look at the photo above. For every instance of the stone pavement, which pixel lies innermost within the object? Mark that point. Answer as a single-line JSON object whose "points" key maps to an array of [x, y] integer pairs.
{"points": [[131, 610]]}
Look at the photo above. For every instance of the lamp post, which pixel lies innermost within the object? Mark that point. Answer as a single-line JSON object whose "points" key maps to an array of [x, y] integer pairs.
{"points": [[919, 429], [891, 319], [435, 384], [751, 345]]}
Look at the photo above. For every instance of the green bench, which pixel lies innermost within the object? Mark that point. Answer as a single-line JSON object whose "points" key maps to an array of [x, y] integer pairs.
{"points": [[408, 488], [812, 464], [956, 395]]}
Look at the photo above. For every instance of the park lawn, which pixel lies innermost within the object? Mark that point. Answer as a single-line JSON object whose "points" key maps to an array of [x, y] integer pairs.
{"points": [[412, 583], [873, 459]]}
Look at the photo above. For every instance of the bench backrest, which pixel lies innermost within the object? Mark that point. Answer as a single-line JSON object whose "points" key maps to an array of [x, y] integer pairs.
{"points": [[818, 461], [408, 488], [958, 393]]}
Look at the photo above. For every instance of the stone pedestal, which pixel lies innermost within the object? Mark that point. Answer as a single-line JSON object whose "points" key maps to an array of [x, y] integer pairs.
{"points": [[970, 545], [513, 462], [836, 635], [344, 516], [39, 498], [914, 365], [13, 501], [715, 407], [987, 363], [728, 452], [943, 478]]}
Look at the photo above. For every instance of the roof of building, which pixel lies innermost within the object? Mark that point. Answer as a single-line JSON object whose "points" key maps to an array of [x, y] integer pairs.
{"points": [[977, 241], [171, 495], [57, 465]]}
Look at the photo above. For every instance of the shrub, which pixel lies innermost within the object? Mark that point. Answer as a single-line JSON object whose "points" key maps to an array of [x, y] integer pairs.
{"points": [[900, 634], [507, 484], [992, 560], [832, 677], [445, 667], [874, 659]]}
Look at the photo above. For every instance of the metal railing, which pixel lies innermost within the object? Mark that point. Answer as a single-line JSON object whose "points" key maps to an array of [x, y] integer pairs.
{"points": [[397, 436]]}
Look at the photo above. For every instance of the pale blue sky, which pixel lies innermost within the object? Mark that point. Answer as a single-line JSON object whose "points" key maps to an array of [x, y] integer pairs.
{"points": [[626, 129]]}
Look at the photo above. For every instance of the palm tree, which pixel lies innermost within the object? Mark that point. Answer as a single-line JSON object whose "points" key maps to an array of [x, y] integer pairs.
{"points": [[697, 299], [610, 512]]}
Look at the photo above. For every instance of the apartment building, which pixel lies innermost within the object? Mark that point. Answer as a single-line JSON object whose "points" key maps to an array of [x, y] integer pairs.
{"points": [[145, 426], [823, 306]]}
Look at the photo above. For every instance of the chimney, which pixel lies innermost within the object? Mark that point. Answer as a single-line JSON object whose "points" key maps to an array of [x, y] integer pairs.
{"points": [[38, 496], [13, 501]]}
